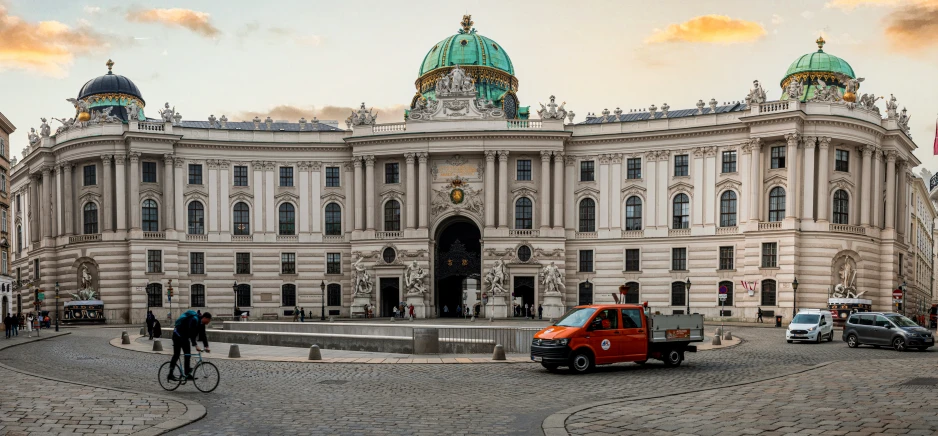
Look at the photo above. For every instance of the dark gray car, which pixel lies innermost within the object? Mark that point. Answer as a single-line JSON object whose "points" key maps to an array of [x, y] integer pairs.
{"points": [[886, 329]]}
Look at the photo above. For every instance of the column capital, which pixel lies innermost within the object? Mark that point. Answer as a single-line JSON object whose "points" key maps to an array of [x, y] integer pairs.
{"points": [[179, 162], [824, 142], [755, 144], [370, 160], [651, 156], [314, 165], [409, 158], [810, 142], [699, 151], [106, 158], [558, 156], [616, 158], [490, 155], [604, 159], [545, 156], [57, 169], [46, 170], [664, 155], [503, 155], [746, 147], [357, 162], [168, 160], [349, 165], [134, 157], [792, 139], [711, 151], [570, 160], [878, 154], [891, 156], [866, 149], [67, 166], [119, 159]]}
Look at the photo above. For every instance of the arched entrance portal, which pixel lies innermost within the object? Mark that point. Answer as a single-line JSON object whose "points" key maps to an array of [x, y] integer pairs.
{"points": [[457, 264]]}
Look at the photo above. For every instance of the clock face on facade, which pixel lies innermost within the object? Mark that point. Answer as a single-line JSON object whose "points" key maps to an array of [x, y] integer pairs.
{"points": [[511, 106]]}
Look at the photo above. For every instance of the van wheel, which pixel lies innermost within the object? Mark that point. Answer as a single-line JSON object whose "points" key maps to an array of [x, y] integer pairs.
{"points": [[830, 337], [581, 362], [549, 366], [819, 336], [898, 344], [852, 341], [673, 358]]}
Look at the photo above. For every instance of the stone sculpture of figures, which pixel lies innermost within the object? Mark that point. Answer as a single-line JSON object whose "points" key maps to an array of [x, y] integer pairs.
{"points": [[177, 119], [552, 280], [891, 106], [552, 111], [167, 114], [852, 86], [456, 81], [413, 279], [44, 129], [80, 105], [223, 121], [904, 120], [33, 137], [362, 117], [133, 111], [825, 92], [795, 89], [86, 278], [847, 286], [756, 94], [495, 279], [363, 283], [211, 121]]}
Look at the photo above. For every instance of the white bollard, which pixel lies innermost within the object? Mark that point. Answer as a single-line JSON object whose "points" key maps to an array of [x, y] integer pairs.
{"points": [[157, 345], [234, 351], [716, 340], [499, 353], [728, 336], [314, 353], [143, 331]]}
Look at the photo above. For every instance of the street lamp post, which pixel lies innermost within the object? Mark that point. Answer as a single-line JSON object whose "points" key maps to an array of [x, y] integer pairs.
{"points": [[687, 292], [322, 302], [169, 297], [234, 310], [902, 288], [794, 297], [56, 306]]}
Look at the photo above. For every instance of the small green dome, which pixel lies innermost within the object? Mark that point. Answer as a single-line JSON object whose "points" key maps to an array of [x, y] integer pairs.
{"points": [[467, 49], [812, 67], [820, 62]]}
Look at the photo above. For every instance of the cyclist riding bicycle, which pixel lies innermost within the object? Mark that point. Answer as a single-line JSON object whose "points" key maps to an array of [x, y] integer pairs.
{"points": [[188, 327]]}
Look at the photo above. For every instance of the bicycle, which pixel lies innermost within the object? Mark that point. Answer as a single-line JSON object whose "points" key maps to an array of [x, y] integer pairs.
{"points": [[205, 375]]}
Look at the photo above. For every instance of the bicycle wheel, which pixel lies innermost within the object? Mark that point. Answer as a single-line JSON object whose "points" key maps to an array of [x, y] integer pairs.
{"points": [[206, 376], [163, 375]]}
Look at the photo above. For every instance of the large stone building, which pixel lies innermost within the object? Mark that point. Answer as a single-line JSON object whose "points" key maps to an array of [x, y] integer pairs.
{"points": [[8, 303], [467, 196]]}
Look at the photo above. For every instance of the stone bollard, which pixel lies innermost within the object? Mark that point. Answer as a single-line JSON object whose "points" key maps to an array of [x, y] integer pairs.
{"points": [[728, 336], [392, 319], [125, 338], [234, 351], [157, 345], [473, 319], [499, 353], [143, 331], [314, 353], [716, 340], [426, 340], [719, 331], [331, 319]]}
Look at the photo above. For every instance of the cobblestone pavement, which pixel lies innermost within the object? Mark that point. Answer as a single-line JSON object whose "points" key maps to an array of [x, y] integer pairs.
{"points": [[40, 405], [294, 398]]}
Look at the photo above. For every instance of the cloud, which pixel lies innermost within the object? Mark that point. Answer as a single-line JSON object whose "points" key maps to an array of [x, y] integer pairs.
{"points": [[849, 5], [807, 15], [48, 47], [388, 114], [296, 37], [92, 10], [195, 21], [777, 19], [709, 29], [913, 27]]}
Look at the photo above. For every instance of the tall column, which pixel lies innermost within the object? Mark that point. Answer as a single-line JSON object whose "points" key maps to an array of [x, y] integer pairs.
{"points": [[423, 189], [697, 209], [807, 208], [661, 202], [411, 192], [615, 192], [214, 192], [709, 188], [503, 189], [568, 207], [107, 182], [45, 201], [179, 180], [488, 187], [746, 172], [370, 192], [558, 189], [133, 203], [257, 222], [271, 221], [651, 177], [891, 189], [311, 197], [866, 177], [223, 210], [68, 200], [755, 179], [544, 196], [169, 210], [359, 194], [791, 165], [351, 181], [823, 179], [902, 201], [603, 206], [877, 220], [120, 195], [58, 226], [34, 230]]}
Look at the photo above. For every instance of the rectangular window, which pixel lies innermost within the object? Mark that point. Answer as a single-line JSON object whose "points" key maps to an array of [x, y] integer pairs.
{"points": [[769, 254], [197, 295], [36, 269], [91, 176], [729, 161], [240, 175], [195, 174], [242, 263], [333, 263], [154, 261], [19, 203], [633, 259], [149, 172], [332, 177], [586, 261], [244, 296], [5, 266], [841, 160], [778, 157], [286, 176], [335, 294], [196, 263], [288, 295], [679, 259], [726, 258], [587, 171], [392, 172], [524, 169], [633, 168], [288, 263], [680, 165]]}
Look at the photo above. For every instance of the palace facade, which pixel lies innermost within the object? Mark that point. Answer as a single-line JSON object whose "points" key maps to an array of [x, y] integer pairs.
{"points": [[664, 206]]}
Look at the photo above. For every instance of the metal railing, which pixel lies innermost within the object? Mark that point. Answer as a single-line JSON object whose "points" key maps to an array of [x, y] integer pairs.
{"points": [[523, 124], [482, 340], [389, 235]]}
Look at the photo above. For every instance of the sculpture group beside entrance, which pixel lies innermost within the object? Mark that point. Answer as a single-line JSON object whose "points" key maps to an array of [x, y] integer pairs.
{"points": [[413, 280], [455, 98], [496, 278], [363, 284]]}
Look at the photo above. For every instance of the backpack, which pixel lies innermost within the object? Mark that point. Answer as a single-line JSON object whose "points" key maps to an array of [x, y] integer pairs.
{"points": [[186, 316]]}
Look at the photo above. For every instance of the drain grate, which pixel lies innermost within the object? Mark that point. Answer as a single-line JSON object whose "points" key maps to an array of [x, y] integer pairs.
{"points": [[920, 382], [333, 382]]}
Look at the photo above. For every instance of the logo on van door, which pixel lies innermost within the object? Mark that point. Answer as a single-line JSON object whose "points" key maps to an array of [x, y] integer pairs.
{"points": [[605, 344]]}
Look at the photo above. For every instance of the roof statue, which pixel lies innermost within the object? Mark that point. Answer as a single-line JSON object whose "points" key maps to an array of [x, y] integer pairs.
{"points": [[44, 129], [795, 89], [891, 107], [818, 66], [552, 111], [825, 92], [466, 24], [850, 90], [756, 94], [167, 114], [32, 136], [455, 97], [363, 117]]}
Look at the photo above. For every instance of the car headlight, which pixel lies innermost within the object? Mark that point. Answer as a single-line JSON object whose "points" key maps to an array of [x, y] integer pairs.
{"points": [[563, 342], [811, 329]]}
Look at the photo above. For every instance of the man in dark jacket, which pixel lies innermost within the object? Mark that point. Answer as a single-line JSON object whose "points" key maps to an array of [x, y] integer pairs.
{"points": [[188, 328], [150, 321]]}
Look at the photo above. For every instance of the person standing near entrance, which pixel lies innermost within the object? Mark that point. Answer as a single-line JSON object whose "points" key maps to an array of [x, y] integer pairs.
{"points": [[302, 315], [296, 314], [531, 309], [760, 315], [445, 310], [540, 311], [29, 324], [411, 310]]}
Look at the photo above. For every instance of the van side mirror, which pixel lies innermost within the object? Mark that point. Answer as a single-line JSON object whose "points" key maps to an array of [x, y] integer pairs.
{"points": [[888, 326]]}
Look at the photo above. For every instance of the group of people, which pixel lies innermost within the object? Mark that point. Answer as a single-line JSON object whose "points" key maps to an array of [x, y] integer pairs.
{"points": [[403, 310], [299, 314], [12, 324], [529, 311], [154, 328]]}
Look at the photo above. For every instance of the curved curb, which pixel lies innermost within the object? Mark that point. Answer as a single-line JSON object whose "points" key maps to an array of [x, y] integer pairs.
{"points": [[555, 424], [194, 411]]}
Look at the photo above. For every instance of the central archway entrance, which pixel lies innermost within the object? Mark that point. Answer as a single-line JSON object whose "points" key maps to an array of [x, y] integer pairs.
{"points": [[457, 265]]}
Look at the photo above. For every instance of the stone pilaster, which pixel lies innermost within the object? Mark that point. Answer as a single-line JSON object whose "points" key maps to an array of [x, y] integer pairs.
{"points": [[823, 179], [411, 191], [107, 197], [503, 189], [423, 188], [370, 192], [558, 190]]}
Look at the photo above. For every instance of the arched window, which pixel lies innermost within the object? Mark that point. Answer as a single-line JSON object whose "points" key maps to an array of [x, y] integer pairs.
{"points": [[288, 295], [631, 293], [633, 213], [587, 215], [392, 216], [523, 214], [90, 218], [681, 212], [197, 295], [151, 216], [728, 209], [154, 295], [776, 204], [243, 296], [729, 293], [586, 293], [196, 218], [678, 294], [334, 291], [769, 297], [242, 219], [841, 207], [333, 219], [287, 219], [19, 239]]}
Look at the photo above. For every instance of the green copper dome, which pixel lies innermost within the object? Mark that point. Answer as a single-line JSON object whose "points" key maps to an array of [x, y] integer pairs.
{"points": [[820, 61], [467, 49], [815, 66]]}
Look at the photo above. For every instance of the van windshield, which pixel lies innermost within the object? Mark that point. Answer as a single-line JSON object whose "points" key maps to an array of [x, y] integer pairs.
{"points": [[804, 318], [576, 317], [901, 321]]}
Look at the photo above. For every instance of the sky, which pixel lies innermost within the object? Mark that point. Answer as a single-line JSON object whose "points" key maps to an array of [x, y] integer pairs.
{"points": [[289, 59]]}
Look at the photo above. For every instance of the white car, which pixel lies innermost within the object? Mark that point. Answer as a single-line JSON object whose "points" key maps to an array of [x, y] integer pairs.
{"points": [[812, 325]]}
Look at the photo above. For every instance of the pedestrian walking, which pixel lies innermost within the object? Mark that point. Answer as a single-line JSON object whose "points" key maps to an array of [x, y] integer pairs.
{"points": [[302, 315], [760, 314], [7, 328], [150, 320], [540, 311], [29, 324], [395, 311], [411, 311], [296, 314], [532, 311], [157, 329], [16, 324]]}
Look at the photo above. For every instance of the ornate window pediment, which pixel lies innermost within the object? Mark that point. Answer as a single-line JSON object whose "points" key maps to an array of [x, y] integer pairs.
{"points": [[634, 190], [842, 183], [586, 190], [286, 196], [523, 191], [680, 187], [776, 179], [389, 194], [89, 196], [241, 196], [728, 183], [150, 191], [332, 196]]}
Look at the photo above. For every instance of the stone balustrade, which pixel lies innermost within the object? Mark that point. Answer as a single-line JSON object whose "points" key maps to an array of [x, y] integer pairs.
{"points": [[523, 233], [776, 225], [389, 235], [154, 235], [846, 228], [84, 238]]}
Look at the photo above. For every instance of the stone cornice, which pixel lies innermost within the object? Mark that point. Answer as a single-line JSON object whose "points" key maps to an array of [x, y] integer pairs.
{"points": [[265, 146], [653, 135], [457, 136]]}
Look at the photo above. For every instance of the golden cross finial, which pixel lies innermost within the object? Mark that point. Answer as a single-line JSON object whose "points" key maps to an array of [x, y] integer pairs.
{"points": [[110, 64], [466, 23], [820, 43]]}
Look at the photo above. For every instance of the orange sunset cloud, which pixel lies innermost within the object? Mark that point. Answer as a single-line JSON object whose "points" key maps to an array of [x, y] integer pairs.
{"points": [[48, 47], [195, 21], [718, 29]]}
